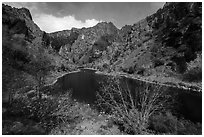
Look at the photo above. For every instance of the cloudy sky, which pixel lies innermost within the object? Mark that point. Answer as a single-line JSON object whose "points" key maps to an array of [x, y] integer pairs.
{"points": [[53, 16]]}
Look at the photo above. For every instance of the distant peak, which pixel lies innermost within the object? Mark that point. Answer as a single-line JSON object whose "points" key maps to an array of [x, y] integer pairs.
{"points": [[17, 11], [104, 23], [26, 11]]}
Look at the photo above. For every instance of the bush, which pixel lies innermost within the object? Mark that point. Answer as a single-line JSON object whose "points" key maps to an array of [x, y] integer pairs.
{"points": [[164, 123], [64, 111], [169, 124], [49, 112], [193, 75], [130, 111]]}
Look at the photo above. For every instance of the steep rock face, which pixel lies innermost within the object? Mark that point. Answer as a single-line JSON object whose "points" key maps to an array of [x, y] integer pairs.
{"points": [[137, 43], [82, 46], [24, 46], [179, 28], [22, 38], [19, 21], [61, 39], [166, 41], [92, 41], [19, 31]]}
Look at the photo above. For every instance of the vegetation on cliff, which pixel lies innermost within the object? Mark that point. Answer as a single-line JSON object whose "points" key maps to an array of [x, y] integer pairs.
{"points": [[165, 47]]}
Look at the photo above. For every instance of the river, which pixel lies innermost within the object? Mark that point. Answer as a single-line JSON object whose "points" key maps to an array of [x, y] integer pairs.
{"points": [[86, 82]]}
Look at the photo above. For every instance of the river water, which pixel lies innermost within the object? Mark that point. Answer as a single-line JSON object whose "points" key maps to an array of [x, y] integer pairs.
{"points": [[86, 82]]}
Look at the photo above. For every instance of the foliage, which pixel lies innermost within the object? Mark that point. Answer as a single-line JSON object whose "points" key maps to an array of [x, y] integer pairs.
{"points": [[193, 75], [164, 123], [47, 111], [170, 124], [40, 64], [145, 112], [130, 110], [52, 112]]}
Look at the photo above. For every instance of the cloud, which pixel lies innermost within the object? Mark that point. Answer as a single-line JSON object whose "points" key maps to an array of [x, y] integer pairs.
{"points": [[48, 16], [55, 16], [50, 23]]}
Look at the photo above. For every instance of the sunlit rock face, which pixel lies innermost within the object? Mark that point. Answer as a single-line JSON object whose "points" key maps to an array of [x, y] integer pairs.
{"points": [[82, 46], [165, 38], [165, 44], [168, 41]]}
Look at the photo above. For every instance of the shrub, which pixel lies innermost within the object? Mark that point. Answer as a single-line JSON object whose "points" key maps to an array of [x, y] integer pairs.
{"points": [[49, 112], [130, 111], [193, 75], [63, 111], [166, 123]]}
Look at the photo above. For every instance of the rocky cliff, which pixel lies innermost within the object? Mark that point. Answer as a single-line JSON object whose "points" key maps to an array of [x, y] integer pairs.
{"points": [[169, 31], [21, 36], [164, 46], [164, 49], [25, 50], [83, 46], [23, 41], [167, 43]]}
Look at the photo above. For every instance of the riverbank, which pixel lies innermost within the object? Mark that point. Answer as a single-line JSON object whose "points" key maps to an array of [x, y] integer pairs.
{"points": [[162, 81], [80, 117]]}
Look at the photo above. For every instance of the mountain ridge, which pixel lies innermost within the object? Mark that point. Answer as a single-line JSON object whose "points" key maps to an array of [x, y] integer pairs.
{"points": [[160, 45]]}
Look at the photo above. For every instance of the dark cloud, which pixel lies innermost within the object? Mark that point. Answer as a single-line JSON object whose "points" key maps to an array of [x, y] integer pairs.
{"points": [[120, 13]]}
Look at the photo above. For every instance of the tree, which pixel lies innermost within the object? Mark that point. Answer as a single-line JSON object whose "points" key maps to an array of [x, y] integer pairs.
{"points": [[132, 108], [39, 65]]}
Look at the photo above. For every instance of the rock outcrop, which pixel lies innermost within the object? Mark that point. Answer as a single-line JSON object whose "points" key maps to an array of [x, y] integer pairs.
{"points": [[81, 46], [24, 46], [163, 49], [165, 44], [19, 21], [170, 38]]}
